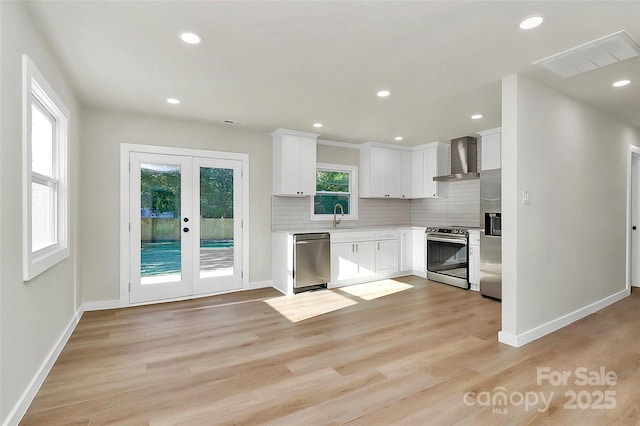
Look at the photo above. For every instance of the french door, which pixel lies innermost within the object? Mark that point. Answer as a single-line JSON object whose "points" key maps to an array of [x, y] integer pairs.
{"points": [[185, 222]]}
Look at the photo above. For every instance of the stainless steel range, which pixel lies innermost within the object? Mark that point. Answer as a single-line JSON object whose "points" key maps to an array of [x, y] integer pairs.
{"points": [[447, 255]]}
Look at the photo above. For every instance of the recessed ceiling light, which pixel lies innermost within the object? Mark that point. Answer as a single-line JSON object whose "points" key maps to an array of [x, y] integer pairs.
{"points": [[317, 125], [621, 83], [476, 116], [191, 38], [383, 93], [398, 138], [173, 101], [530, 22]]}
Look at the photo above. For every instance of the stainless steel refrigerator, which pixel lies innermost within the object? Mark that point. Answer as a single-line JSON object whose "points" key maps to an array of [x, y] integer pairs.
{"points": [[491, 234]]}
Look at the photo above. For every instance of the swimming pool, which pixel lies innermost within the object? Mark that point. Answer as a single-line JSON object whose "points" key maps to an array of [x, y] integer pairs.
{"points": [[163, 257]]}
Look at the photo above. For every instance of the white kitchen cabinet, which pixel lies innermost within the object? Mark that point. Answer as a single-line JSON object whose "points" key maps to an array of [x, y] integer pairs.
{"points": [[352, 261], [491, 149], [387, 256], [343, 264], [294, 163], [474, 260], [362, 256], [428, 161], [406, 249], [366, 259], [418, 257], [384, 172], [406, 177]]}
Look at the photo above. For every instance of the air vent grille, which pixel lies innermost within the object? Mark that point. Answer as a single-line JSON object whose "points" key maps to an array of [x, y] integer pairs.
{"points": [[233, 122], [599, 53]]}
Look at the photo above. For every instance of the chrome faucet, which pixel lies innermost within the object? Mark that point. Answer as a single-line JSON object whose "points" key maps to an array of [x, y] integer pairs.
{"points": [[336, 222]]}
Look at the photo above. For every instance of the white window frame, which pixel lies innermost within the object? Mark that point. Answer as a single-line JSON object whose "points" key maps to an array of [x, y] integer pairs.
{"points": [[353, 192], [35, 89]]}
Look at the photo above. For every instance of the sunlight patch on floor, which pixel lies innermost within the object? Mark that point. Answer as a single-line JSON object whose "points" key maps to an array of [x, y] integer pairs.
{"points": [[374, 290], [309, 304]]}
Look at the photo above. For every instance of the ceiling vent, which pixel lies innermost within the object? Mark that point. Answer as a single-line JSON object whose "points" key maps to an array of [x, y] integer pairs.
{"points": [[599, 53], [233, 122]]}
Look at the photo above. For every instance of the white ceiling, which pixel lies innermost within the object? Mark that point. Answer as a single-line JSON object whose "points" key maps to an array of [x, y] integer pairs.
{"points": [[291, 64]]}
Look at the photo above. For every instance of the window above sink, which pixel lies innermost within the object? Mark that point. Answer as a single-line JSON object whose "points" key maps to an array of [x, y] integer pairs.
{"points": [[336, 184]]}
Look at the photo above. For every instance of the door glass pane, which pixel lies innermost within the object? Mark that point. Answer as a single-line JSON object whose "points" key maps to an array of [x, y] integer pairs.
{"points": [[216, 222], [160, 234], [43, 215]]}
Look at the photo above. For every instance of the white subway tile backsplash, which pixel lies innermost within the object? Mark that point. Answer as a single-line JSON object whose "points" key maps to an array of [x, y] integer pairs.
{"points": [[462, 208], [292, 212]]}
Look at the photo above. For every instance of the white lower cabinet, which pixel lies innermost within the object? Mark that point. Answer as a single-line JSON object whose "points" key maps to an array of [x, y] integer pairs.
{"points": [[350, 261], [387, 257], [406, 249], [419, 242], [474, 260], [358, 257]]}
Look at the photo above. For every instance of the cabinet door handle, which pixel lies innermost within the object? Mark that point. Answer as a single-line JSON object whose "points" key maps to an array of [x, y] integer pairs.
{"points": [[356, 247], [378, 246]]}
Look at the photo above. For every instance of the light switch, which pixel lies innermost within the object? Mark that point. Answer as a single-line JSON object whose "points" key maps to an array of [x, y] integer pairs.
{"points": [[526, 197]]}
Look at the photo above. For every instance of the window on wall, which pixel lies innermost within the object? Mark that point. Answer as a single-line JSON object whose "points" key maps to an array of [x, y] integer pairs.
{"points": [[45, 185], [335, 185]]}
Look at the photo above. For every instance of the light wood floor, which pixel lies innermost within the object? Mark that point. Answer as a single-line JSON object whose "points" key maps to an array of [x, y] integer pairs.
{"points": [[404, 351]]}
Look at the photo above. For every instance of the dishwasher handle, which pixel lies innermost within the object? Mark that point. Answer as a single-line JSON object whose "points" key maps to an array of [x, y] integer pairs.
{"points": [[298, 238]]}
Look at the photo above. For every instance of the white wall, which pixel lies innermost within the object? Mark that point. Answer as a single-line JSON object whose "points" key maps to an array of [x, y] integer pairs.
{"points": [[566, 250], [338, 155], [102, 134], [33, 315]]}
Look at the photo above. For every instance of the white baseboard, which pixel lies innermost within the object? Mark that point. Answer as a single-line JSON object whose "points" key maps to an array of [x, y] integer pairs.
{"points": [[114, 304], [522, 339], [102, 305], [421, 273], [508, 339], [32, 389], [258, 284]]}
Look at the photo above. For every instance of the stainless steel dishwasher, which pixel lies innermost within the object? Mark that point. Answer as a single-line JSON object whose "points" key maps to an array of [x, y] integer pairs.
{"points": [[311, 261]]}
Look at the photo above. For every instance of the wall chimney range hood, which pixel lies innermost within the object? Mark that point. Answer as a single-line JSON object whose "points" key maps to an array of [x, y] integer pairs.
{"points": [[464, 160]]}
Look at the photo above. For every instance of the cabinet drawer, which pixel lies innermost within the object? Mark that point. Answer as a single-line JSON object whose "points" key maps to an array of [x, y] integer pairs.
{"points": [[348, 237], [386, 235]]}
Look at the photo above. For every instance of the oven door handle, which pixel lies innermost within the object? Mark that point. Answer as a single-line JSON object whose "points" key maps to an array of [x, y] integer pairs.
{"points": [[447, 240]]}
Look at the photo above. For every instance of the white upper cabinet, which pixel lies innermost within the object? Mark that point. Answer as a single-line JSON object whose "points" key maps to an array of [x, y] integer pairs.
{"points": [[382, 174], [428, 161], [294, 163], [491, 146], [406, 177]]}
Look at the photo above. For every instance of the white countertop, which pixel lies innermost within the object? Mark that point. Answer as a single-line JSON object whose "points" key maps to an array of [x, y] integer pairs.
{"points": [[341, 229]]}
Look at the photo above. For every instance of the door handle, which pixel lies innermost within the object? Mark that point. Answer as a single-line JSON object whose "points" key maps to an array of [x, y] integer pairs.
{"points": [[185, 229]]}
